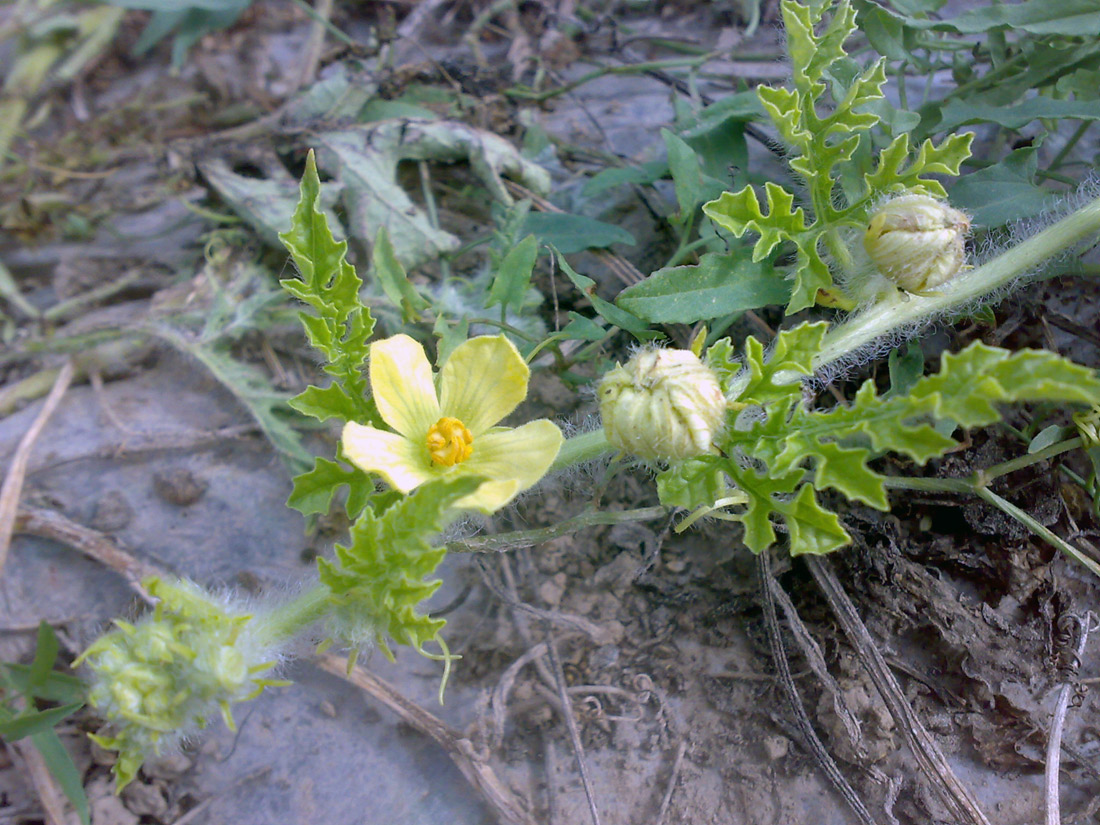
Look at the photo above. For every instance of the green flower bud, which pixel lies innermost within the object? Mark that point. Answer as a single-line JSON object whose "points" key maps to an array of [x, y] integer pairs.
{"points": [[663, 404], [917, 241], [164, 677]]}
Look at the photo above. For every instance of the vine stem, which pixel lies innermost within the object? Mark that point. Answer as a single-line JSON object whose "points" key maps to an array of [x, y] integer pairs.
{"points": [[900, 310], [975, 485]]}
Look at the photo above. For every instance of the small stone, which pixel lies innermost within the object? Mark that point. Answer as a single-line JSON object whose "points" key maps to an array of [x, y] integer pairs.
{"points": [[112, 512], [328, 709], [776, 747], [552, 590], [145, 800], [179, 486], [105, 806]]}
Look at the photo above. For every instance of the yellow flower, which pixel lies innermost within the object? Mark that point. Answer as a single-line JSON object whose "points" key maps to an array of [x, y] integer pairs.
{"points": [[451, 433]]}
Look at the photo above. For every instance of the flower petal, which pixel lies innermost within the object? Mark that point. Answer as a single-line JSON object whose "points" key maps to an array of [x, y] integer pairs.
{"points": [[401, 462], [489, 497], [401, 380], [484, 379], [523, 454]]}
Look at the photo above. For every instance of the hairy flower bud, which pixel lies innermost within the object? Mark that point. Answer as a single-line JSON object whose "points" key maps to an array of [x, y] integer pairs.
{"points": [[917, 241], [663, 404], [165, 676]]}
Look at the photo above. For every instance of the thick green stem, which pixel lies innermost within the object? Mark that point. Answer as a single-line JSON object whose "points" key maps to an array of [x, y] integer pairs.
{"points": [[295, 616], [581, 448], [900, 310]]}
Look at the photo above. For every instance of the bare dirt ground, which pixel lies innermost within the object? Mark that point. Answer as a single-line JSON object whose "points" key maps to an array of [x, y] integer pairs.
{"points": [[678, 706]]}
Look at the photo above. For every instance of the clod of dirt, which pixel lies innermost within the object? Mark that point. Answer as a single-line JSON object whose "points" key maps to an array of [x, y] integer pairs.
{"points": [[112, 512], [106, 808], [179, 486], [146, 800], [551, 590]]}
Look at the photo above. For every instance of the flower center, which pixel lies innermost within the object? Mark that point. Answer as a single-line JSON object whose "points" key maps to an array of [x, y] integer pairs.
{"points": [[449, 442]]}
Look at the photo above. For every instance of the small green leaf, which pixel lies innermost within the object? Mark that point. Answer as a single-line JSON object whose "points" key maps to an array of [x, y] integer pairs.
{"points": [[314, 489], [574, 233], [687, 178], [691, 484], [513, 277], [36, 721], [45, 654], [395, 282], [791, 357], [906, 368], [719, 285], [1003, 192], [613, 314], [739, 212], [63, 769], [813, 529], [323, 404], [1048, 437]]}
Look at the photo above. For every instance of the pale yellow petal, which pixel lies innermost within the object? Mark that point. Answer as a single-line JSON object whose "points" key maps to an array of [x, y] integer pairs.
{"points": [[489, 497], [523, 454], [484, 379], [401, 380], [402, 463]]}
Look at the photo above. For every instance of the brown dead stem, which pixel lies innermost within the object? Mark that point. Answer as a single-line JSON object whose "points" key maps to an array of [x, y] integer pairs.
{"points": [[51, 525], [12, 487], [478, 772], [930, 758]]}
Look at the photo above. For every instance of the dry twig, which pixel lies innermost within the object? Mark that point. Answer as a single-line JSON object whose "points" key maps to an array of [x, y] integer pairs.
{"points": [[768, 585], [49, 524], [571, 726], [509, 808], [931, 760], [45, 786], [17, 470], [1076, 630]]}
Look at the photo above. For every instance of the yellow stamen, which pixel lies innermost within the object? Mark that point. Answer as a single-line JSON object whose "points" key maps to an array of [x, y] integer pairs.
{"points": [[449, 442]]}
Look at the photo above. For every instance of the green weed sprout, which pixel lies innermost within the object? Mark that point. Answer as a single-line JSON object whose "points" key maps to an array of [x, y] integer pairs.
{"points": [[729, 430]]}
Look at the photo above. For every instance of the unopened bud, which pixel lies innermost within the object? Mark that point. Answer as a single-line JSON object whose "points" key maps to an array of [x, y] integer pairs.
{"points": [[917, 241], [663, 404]]}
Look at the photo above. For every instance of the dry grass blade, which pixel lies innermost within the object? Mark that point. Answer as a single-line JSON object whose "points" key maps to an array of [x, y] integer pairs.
{"points": [[51, 525], [768, 589], [12, 487], [49, 794], [1076, 631], [509, 809], [931, 760]]}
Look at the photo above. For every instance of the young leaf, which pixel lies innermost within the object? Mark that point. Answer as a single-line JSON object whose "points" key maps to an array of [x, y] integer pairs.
{"points": [[395, 282], [719, 285], [382, 572], [313, 490], [613, 314], [687, 178], [341, 325], [513, 277], [574, 233]]}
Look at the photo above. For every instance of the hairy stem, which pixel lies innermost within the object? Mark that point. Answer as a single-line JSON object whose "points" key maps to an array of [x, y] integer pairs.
{"points": [[581, 448], [899, 310], [293, 617]]}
